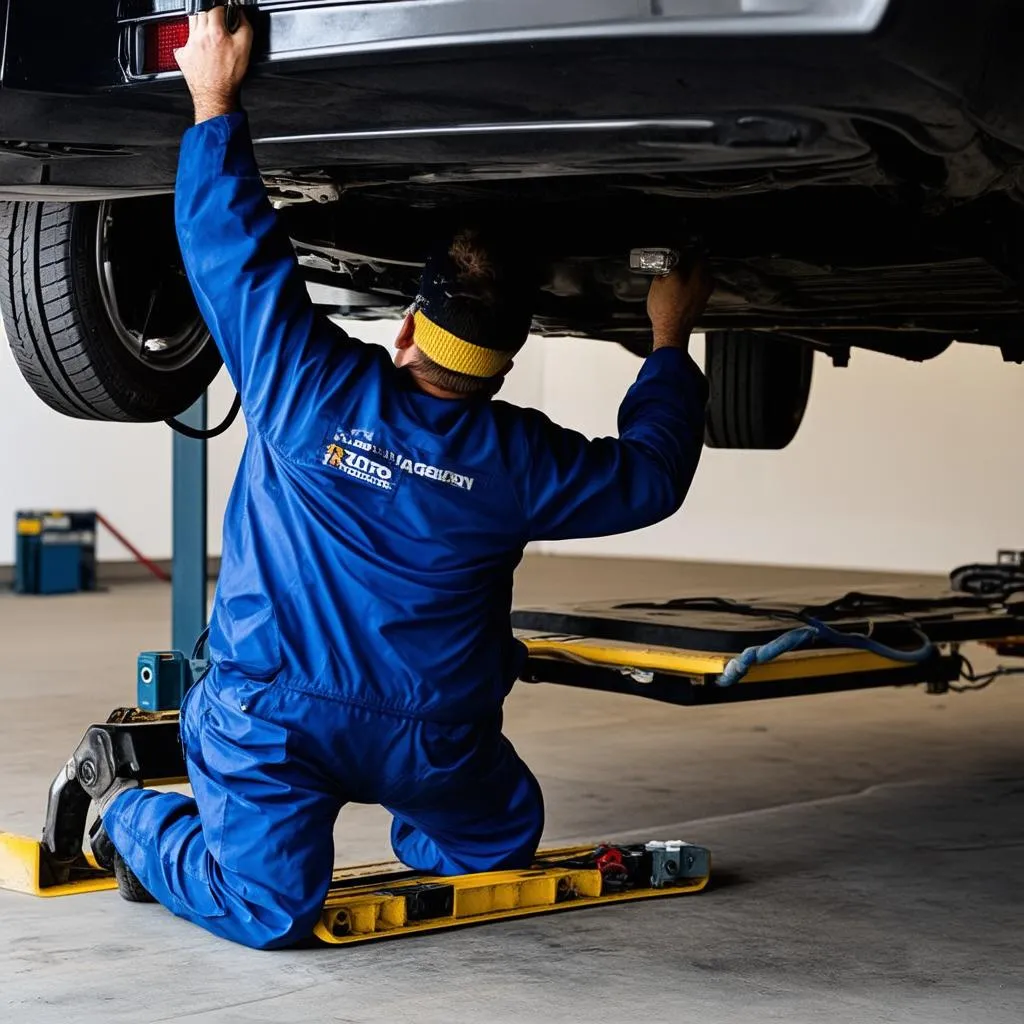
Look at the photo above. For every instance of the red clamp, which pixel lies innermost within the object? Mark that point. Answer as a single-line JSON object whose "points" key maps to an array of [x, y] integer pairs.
{"points": [[608, 860]]}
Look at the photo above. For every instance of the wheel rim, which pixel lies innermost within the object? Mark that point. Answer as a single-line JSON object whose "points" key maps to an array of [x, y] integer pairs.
{"points": [[142, 283]]}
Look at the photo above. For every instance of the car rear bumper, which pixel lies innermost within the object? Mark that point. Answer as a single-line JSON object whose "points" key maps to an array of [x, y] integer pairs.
{"points": [[339, 27], [301, 29]]}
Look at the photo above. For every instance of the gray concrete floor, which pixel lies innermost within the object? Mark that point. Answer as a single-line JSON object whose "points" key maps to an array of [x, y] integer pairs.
{"points": [[868, 849]]}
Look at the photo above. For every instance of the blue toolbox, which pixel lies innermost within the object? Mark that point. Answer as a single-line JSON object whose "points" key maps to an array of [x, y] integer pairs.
{"points": [[54, 552]]}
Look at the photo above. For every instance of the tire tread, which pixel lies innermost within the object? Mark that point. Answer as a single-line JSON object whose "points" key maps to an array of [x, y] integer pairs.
{"points": [[51, 322], [759, 387]]}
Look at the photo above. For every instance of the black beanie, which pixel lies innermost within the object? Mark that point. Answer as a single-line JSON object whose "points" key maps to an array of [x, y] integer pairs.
{"points": [[475, 324]]}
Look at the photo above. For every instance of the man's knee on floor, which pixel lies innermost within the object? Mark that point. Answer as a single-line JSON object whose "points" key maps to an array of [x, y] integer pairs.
{"points": [[277, 923], [272, 908], [524, 853]]}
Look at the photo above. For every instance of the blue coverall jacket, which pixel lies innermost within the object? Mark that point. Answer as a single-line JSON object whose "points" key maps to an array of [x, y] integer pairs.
{"points": [[360, 632]]}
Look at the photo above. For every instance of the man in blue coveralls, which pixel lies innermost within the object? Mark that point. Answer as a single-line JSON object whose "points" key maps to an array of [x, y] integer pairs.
{"points": [[360, 640]]}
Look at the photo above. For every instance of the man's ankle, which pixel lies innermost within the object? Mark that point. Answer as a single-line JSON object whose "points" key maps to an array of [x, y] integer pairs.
{"points": [[118, 787]]}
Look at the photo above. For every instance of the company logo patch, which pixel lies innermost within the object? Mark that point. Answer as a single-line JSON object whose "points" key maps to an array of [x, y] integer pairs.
{"points": [[354, 453], [359, 466]]}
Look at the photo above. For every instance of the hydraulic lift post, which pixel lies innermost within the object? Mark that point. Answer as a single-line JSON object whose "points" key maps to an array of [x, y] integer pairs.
{"points": [[188, 530]]}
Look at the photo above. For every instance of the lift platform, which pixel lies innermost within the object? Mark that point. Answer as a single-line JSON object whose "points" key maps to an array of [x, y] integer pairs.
{"points": [[678, 650]]}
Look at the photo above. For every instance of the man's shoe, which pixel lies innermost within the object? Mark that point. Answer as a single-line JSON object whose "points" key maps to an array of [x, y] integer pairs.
{"points": [[103, 849], [128, 884], [107, 857]]}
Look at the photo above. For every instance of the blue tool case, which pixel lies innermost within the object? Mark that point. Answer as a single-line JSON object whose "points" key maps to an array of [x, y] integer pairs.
{"points": [[55, 552]]}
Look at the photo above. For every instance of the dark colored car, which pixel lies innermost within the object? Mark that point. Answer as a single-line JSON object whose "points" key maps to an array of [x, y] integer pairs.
{"points": [[854, 168]]}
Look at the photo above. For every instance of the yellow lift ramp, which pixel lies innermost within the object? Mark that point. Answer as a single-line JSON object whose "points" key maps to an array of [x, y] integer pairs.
{"points": [[358, 909]]}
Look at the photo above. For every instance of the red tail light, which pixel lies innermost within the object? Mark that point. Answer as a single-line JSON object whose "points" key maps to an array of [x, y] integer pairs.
{"points": [[162, 39]]}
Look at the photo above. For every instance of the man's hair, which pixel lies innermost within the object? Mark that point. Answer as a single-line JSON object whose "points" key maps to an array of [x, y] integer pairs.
{"points": [[475, 263], [477, 282], [449, 380]]}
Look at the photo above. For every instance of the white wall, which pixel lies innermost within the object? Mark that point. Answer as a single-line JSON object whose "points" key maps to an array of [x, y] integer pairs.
{"points": [[897, 466]]}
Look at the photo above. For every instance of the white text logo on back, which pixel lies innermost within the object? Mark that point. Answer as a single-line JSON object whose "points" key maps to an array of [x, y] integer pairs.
{"points": [[356, 455]]}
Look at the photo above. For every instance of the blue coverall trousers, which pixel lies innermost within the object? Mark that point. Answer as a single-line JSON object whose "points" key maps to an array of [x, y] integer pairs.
{"points": [[250, 856]]}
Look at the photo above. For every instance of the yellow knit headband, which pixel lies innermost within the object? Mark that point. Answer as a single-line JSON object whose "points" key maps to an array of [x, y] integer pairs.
{"points": [[451, 352]]}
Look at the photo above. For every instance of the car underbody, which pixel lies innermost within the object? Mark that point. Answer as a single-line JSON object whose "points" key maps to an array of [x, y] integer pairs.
{"points": [[852, 188]]}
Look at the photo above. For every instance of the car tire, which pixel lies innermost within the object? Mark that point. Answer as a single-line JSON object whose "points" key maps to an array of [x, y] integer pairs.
{"points": [[759, 385], [98, 312]]}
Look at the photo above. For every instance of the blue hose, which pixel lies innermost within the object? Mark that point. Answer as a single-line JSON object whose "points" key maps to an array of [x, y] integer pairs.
{"points": [[814, 629]]}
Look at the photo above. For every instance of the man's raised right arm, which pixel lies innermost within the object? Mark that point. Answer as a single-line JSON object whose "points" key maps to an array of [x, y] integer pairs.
{"points": [[238, 256], [575, 487]]}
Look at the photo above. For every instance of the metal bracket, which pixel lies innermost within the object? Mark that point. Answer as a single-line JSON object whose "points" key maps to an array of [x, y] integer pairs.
{"points": [[288, 191], [148, 750]]}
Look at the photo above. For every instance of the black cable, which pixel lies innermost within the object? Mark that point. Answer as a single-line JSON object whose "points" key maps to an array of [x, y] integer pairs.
{"points": [[197, 647], [714, 604], [980, 682], [897, 608], [206, 435]]}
